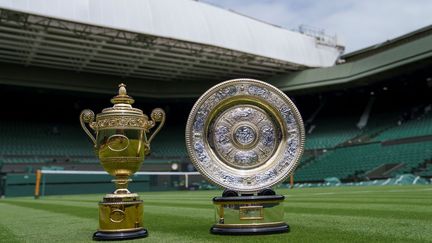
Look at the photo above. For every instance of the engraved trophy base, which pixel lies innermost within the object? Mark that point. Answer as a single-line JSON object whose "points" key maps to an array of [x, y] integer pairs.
{"points": [[249, 214], [120, 218]]}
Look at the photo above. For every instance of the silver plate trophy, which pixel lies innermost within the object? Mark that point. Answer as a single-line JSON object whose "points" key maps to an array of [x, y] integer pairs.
{"points": [[246, 136]]}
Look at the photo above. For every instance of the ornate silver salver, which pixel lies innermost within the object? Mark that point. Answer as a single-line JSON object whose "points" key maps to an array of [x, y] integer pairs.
{"points": [[245, 135]]}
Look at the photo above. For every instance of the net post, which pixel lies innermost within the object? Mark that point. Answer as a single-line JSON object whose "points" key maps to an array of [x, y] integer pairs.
{"points": [[291, 181], [37, 184]]}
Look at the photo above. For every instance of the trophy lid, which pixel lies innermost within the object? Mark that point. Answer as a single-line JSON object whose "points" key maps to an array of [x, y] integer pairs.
{"points": [[122, 97], [122, 105], [122, 114]]}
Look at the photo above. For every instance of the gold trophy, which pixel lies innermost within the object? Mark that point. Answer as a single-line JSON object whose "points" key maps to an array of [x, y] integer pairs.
{"points": [[121, 143]]}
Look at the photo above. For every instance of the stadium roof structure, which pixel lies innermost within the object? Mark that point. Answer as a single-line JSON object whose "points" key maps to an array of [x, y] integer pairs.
{"points": [[164, 47], [407, 53]]}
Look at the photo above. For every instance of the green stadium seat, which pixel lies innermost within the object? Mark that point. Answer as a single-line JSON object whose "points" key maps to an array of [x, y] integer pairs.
{"points": [[328, 133], [413, 128], [39, 143], [345, 161]]}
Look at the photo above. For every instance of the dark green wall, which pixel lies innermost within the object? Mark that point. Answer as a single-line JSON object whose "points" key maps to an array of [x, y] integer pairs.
{"points": [[24, 184]]}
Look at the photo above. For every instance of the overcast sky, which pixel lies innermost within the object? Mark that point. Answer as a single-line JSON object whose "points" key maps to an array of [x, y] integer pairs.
{"points": [[357, 23]]}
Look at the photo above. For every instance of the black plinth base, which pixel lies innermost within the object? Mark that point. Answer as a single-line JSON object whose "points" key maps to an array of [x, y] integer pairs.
{"points": [[249, 230], [128, 235]]}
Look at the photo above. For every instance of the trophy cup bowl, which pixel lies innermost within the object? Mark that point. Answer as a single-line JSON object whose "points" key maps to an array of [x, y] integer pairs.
{"points": [[121, 144], [246, 136]]}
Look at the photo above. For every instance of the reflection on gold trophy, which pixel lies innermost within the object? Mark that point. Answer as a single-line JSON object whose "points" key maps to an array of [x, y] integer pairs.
{"points": [[121, 144]]}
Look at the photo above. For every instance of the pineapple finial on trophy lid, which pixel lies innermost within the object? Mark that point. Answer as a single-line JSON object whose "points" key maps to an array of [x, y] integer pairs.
{"points": [[122, 89], [122, 97]]}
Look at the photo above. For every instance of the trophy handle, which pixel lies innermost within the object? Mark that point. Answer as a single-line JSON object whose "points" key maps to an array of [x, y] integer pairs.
{"points": [[157, 115], [87, 116]]}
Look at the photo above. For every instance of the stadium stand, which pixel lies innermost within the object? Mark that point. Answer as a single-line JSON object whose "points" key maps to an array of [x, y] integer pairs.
{"points": [[169, 144], [357, 160], [419, 126], [42, 142], [335, 147], [427, 172], [328, 133], [45, 142]]}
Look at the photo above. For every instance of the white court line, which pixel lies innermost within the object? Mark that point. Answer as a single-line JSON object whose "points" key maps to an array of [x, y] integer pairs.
{"points": [[427, 189], [325, 193]]}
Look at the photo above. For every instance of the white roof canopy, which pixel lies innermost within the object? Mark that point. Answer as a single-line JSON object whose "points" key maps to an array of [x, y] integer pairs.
{"points": [[189, 21]]}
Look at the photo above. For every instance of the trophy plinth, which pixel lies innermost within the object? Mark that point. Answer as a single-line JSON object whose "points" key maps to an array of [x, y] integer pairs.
{"points": [[121, 144], [246, 136], [249, 214]]}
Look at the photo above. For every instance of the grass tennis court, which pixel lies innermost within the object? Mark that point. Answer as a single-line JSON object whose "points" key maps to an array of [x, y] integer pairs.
{"points": [[343, 214]]}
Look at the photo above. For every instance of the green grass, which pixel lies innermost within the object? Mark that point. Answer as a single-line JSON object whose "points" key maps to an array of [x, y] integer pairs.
{"points": [[344, 214]]}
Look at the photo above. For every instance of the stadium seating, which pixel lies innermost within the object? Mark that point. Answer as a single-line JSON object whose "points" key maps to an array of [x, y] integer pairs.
{"points": [[427, 172], [41, 142], [327, 133], [418, 127], [343, 162], [378, 123], [45, 142], [169, 143]]}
